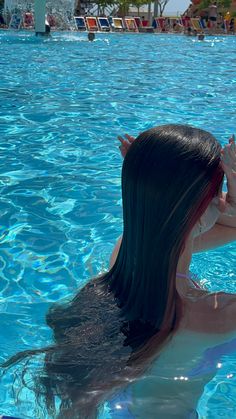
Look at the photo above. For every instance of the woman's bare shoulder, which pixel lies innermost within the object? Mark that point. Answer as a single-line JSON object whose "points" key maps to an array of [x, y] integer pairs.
{"points": [[212, 313]]}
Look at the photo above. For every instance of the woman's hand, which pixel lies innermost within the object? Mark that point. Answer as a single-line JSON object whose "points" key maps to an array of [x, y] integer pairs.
{"points": [[125, 143], [228, 154]]}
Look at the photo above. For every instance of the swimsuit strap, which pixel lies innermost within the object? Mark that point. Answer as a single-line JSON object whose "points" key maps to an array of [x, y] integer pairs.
{"points": [[182, 275], [189, 278]]}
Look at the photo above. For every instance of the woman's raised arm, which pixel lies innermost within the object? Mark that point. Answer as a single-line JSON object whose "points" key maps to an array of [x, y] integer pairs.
{"points": [[224, 231]]}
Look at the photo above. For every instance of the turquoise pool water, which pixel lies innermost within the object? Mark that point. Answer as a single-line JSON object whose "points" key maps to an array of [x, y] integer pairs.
{"points": [[63, 103]]}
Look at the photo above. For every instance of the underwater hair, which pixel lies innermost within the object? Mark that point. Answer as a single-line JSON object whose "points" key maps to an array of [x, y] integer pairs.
{"points": [[112, 330]]}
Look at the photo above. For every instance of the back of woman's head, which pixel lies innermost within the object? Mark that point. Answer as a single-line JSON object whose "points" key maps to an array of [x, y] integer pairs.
{"points": [[170, 174], [169, 171]]}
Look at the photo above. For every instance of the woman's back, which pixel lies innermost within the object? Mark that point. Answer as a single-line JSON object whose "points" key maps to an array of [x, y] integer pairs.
{"points": [[175, 381]]}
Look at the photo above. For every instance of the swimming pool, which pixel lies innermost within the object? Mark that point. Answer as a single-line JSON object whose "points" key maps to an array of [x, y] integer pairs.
{"points": [[63, 103]]}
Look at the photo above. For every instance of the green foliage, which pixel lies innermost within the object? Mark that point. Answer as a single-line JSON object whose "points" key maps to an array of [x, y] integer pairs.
{"points": [[225, 4], [138, 3], [104, 3], [204, 4], [122, 6]]}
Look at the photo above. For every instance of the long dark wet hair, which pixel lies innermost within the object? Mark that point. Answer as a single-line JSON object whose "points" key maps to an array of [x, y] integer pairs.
{"points": [[114, 327]]}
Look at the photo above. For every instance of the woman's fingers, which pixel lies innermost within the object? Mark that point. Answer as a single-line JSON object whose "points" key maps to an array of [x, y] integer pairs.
{"points": [[232, 143], [122, 140], [225, 156], [222, 205], [233, 152], [228, 152], [123, 151], [228, 157], [125, 143], [130, 138]]}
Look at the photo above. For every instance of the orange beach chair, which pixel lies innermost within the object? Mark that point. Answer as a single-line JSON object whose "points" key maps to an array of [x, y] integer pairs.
{"points": [[92, 23], [131, 24]]}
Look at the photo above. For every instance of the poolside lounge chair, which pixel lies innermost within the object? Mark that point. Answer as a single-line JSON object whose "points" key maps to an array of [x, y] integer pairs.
{"points": [[131, 24], [174, 24], [138, 22], [15, 22], [143, 26], [117, 24], [186, 22], [80, 23], [92, 23], [196, 24], [28, 20], [162, 23], [159, 24], [104, 24], [155, 24]]}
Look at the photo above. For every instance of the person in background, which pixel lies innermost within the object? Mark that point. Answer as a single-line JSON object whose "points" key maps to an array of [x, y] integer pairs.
{"points": [[47, 28], [212, 14], [227, 19], [220, 21], [201, 36], [203, 14], [232, 26], [91, 36]]}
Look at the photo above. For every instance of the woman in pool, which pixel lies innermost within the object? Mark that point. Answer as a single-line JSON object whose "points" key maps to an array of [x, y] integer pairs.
{"points": [[144, 335]]}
